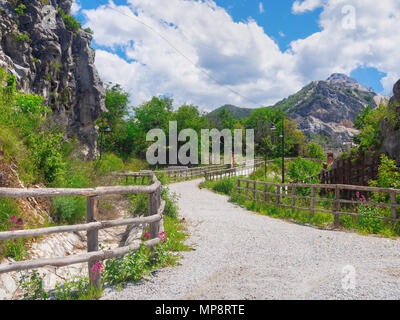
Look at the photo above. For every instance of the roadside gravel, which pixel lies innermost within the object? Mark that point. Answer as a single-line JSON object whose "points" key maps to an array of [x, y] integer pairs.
{"points": [[242, 255]]}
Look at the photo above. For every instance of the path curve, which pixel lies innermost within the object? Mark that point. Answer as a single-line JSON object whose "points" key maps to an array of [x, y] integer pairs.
{"points": [[242, 255]]}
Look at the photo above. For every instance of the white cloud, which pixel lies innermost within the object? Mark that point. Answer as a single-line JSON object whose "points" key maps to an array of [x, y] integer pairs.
{"points": [[372, 43], [261, 7], [306, 5], [238, 55], [76, 7]]}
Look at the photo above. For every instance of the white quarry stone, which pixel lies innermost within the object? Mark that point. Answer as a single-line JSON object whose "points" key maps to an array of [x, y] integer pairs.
{"points": [[3, 295], [8, 283]]}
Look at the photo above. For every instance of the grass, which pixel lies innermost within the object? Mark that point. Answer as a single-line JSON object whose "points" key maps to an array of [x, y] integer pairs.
{"points": [[364, 225]]}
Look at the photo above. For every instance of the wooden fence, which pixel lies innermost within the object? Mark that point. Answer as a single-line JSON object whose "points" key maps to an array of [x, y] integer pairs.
{"points": [[350, 171], [243, 170], [154, 219], [274, 194], [232, 172], [173, 175]]}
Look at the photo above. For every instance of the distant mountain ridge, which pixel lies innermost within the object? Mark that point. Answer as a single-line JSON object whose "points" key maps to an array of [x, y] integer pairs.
{"points": [[234, 111], [324, 110]]}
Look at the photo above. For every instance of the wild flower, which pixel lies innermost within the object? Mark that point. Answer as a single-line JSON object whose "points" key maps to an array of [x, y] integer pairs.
{"points": [[146, 236], [96, 269], [15, 223], [162, 236]]}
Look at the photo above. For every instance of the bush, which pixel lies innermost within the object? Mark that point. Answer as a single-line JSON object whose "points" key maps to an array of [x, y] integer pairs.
{"points": [[46, 154], [225, 186], [304, 171], [69, 209], [315, 151], [109, 163]]}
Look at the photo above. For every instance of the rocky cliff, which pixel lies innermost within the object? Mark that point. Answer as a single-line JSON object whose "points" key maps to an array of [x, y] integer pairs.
{"points": [[390, 127], [326, 110], [48, 52]]}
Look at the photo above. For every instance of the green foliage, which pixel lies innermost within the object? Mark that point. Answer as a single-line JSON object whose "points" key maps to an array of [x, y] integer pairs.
{"points": [[315, 151], [76, 289], [304, 171], [33, 286], [70, 22], [69, 209], [267, 140], [88, 30], [171, 203], [22, 37], [225, 186], [20, 10], [367, 222], [368, 122], [47, 155], [130, 267], [388, 174], [109, 163]]}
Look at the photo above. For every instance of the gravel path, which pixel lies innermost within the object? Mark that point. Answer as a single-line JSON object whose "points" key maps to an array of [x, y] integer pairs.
{"points": [[241, 255]]}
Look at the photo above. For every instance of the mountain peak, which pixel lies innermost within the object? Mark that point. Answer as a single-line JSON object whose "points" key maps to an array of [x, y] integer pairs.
{"points": [[341, 77], [345, 80]]}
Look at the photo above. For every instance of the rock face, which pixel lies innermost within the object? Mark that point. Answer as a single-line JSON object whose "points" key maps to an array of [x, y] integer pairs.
{"points": [[326, 110], [390, 127], [51, 57]]}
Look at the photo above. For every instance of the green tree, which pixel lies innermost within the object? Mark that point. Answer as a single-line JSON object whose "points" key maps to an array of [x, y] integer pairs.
{"points": [[315, 151], [368, 122]]}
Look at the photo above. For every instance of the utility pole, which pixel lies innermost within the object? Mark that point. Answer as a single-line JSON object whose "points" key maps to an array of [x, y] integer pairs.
{"points": [[283, 148]]}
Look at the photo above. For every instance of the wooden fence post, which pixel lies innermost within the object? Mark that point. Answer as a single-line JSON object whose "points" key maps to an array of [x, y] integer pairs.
{"points": [[238, 186], [393, 202], [293, 199], [152, 210], [312, 201], [265, 193], [337, 206], [92, 205], [278, 195], [254, 190]]}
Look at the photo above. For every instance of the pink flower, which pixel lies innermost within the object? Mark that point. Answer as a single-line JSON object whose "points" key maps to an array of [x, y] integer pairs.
{"points": [[146, 236], [358, 194], [97, 268], [162, 236]]}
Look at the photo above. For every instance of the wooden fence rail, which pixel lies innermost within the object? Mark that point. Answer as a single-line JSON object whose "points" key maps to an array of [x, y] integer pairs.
{"points": [[154, 219], [259, 192], [173, 175], [232, 172], [243, 170]]}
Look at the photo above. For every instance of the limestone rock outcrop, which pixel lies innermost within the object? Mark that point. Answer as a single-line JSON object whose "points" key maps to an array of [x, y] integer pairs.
{"points": [[52, 57], [326, 110], [390, 127]]}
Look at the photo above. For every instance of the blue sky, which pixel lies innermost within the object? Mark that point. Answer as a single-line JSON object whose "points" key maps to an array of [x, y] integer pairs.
{"points": [[273, 47]]}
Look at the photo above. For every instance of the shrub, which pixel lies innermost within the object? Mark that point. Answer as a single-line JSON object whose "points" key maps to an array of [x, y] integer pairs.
{"points": [[71, 23], [109, 163], [315, 151], [23, 37], [69, 209], [225, 186], [46, 154], [304, 171], [20, 9]]}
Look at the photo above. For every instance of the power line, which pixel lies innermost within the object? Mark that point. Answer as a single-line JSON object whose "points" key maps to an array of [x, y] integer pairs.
{"points": [[182, 54]]}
